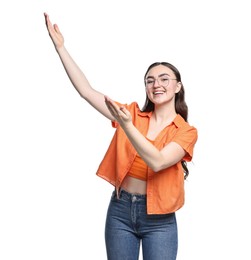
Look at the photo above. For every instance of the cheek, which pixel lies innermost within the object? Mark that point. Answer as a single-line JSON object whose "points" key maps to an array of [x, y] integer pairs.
{"points": [[147, 91], [173, 89]]}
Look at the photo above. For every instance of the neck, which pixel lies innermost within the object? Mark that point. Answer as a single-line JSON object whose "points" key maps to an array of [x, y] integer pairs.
{"points": [[163, 115]]}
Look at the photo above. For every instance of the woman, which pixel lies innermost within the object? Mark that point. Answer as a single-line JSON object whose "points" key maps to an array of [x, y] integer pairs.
{"points": [[145, 162]]}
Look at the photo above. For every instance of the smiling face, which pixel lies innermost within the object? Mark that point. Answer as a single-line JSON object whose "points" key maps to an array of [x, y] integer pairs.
{"points": [[161, 85]]}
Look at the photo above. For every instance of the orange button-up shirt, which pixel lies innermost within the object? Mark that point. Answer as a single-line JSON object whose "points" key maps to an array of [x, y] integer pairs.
{"points": [[165, 189]]}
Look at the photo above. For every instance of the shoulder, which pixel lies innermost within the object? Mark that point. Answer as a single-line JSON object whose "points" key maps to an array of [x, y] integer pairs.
{"points": [[180, 123], [133, 106], [184, 127]]}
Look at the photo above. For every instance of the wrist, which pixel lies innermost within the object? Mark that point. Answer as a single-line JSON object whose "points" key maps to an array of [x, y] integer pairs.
{"points": [[128, 126], [60, 48]]}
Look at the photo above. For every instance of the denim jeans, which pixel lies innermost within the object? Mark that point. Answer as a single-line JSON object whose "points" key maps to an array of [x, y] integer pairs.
{"points": [[128, 225]]}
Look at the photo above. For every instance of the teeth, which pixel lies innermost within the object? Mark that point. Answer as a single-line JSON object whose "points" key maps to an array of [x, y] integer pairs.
{"points": [[158, 92]]}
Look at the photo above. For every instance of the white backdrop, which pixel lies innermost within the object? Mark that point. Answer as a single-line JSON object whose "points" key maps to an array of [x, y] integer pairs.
{"points": [[52, 205]]}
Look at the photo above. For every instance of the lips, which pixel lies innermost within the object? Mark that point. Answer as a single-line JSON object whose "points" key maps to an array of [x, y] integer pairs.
{"points": [[158, 92]]}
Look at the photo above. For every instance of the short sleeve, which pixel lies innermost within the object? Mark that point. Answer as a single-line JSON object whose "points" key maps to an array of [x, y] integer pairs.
{"points": [[187, 138]]}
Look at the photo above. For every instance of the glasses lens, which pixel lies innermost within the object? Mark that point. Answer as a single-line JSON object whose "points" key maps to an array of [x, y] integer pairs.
{"points": [[161, 81], [150, 82]]}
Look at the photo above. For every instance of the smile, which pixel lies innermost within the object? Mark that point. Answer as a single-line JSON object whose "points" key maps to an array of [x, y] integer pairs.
{"points": [[158, 92]]}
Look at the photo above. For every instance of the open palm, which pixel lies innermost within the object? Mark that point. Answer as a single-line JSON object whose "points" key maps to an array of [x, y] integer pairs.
{"points": [[54, 32]]}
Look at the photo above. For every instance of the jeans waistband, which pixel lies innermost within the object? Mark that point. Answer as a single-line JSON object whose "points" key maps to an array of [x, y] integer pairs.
{"points": [[131, 196]]}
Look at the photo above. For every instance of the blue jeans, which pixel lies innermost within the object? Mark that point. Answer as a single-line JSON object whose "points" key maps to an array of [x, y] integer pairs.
{"points": [[128, 225]]}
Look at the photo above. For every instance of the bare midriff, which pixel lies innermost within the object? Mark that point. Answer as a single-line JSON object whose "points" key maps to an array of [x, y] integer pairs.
{"points": [[133, 185]]}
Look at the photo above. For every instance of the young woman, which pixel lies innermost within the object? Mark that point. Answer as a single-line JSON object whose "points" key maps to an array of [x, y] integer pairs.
{"points": [[145, 161]]}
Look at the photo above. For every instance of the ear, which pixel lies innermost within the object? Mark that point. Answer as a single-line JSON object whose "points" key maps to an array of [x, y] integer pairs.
{"points": [[178, 87]]}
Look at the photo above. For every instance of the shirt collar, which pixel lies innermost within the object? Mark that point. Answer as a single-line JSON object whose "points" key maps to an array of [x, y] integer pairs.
{"points": [[148, 114], [178, 120]]}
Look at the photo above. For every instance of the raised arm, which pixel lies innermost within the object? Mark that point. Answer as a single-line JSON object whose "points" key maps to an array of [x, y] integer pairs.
{"points": [[76, 76]]}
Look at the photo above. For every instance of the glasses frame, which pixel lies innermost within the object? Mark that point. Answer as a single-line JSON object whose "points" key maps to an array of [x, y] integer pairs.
{"points": [[157, 79]]}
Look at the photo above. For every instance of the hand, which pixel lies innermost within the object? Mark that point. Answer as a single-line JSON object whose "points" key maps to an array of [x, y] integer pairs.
{"points": [[54, 32], [121, 114]]}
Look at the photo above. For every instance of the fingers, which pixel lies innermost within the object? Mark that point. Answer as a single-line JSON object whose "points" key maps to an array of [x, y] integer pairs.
{"points": [[47, 20], [113, 108], [56, 28], [54, 32], [49, 24], [120, 113], [111, 104], [124, 111]]}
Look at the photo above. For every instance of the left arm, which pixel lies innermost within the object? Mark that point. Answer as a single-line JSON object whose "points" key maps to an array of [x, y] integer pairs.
{"points": [[156, 159]]}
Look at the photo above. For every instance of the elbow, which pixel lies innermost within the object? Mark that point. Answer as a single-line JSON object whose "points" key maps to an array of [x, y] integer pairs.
{"points": [[157, 164], [161, 164], [156, 167]]}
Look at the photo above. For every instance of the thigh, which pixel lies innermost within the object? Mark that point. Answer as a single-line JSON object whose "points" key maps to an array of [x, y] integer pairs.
{"points": [[121, 241], [160, 238]]}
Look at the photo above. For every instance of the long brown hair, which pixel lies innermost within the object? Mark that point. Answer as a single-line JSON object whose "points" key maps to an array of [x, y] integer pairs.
{"points": [[180, 103]]}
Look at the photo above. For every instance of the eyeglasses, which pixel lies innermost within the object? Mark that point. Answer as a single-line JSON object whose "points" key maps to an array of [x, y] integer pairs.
{"points": [[162, 81]]}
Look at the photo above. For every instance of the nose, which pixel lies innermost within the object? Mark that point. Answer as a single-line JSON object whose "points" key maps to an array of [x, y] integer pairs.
{"points": [[156, 83]]}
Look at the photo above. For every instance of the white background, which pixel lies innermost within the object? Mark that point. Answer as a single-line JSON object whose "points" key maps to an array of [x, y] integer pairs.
{"points": [[52, 205]]}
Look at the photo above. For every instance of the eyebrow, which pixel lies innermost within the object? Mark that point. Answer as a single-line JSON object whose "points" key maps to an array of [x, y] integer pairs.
{"points": [[160, 75]]}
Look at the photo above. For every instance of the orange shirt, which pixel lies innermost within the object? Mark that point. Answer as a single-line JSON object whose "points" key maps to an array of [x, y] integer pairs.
{"points": [[138, 169], [165, 189]]}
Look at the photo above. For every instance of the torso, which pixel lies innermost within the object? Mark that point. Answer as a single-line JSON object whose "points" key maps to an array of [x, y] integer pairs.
{"points": [[133, 185], [136, 186]]}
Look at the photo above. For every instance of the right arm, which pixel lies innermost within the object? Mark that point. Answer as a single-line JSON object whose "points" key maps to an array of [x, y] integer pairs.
{"points": [[76, 76]]}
